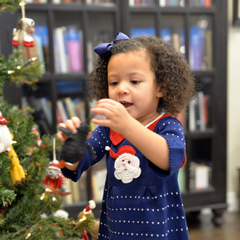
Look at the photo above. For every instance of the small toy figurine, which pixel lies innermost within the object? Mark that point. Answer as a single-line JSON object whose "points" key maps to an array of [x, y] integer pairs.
{"points": [[73, 149], [93, 225], [21, 35], [5, 136], [54, 180], [16, 169]]}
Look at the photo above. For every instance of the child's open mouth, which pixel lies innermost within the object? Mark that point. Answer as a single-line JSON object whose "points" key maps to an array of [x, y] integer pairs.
{"points": [[126, 104]]}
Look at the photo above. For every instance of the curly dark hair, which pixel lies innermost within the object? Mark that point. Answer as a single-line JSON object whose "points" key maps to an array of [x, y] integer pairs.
{"points": [[172, 72]]}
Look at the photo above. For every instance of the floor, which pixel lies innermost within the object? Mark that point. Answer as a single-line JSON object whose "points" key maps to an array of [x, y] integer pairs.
{"points": [[202, 228]]}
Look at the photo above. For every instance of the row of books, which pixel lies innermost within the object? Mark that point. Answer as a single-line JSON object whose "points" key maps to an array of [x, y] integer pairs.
{"points": [[201, 3], [68, 49], [200, 54], [200, 49], [36, 1], [177, 39], [78, 190], [171, 3], [98, 178], [41, 48], [68, 108], [70, 1], [69, 87], [200, 176], [200, 112], [142, 3]]}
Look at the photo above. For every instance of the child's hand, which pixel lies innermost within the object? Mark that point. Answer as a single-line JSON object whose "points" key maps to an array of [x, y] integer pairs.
{"points": [[72, 124], [117, 117]]}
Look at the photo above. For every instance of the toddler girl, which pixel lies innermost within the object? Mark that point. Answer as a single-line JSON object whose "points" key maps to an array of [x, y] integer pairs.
{"points": [[141, 84]]}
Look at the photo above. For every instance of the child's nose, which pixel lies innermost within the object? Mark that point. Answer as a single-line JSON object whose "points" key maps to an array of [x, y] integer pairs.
{"points": [[123, 88]]}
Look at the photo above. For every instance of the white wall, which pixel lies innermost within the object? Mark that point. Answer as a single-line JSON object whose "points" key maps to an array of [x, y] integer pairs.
{"points": [[233, 110]]}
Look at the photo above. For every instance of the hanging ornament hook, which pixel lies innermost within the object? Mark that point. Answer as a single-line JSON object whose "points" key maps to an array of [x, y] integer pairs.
{"points": [[54, 152], [22, 4]]}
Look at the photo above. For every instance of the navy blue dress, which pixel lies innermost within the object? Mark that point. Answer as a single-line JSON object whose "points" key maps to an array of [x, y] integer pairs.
{"points": [[147, 203]]}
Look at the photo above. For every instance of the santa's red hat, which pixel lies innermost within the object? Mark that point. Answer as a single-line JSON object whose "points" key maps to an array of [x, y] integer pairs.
{"points": [[3, 121], [121, 150], [54, 165], [89, 207]]}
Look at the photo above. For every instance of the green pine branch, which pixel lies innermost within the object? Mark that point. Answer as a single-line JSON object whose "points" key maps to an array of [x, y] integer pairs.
{"points": [[9, 5], [18, 71]]}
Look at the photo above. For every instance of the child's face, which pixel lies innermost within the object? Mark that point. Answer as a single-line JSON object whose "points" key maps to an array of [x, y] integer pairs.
{"points": [[132, 83]]}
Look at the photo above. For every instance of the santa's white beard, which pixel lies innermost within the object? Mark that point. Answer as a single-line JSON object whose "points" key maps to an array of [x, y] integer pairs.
{"points": [[126, 173]]}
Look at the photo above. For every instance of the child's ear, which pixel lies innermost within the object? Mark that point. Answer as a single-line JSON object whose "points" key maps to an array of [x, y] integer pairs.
{"points": [[160, 92]]}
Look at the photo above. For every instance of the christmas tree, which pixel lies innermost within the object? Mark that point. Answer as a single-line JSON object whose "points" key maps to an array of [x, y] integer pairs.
{"points": [[26, 209]]}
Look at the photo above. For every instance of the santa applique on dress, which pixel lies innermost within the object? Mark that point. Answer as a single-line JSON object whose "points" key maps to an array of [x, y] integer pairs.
{"points": [[127, 164]]}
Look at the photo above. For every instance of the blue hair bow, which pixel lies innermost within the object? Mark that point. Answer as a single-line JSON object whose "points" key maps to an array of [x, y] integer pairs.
{"points": [[103, 48]]}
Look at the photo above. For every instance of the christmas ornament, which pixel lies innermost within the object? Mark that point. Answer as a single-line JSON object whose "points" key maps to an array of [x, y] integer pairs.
{"points": [[25, 27], [16, 169], [31, 148], [74, 148], [4, 208], [5, 136], [93, 225], [54, 180]]}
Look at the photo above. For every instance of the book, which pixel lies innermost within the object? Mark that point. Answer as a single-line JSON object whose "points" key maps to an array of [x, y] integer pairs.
{"points": [[60, 50], [131, 2], [61, 109], [208, 49], [162, 3], [147, 31], [174, 2], [182, 43], [199, 175], [166, 35], [202, 124], [196, 47], [75, 191], [69, 198], [176, 41], [47, 111], [208, 3], [80, 109], [181, 179], [65, 109], [98, 183], [70, 109], [181, 117], [75, 49], [192, 120], [38, 48], [59, 116]]}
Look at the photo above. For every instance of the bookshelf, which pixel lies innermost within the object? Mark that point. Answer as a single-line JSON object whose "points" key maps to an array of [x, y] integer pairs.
{"points": [[196, 28]]}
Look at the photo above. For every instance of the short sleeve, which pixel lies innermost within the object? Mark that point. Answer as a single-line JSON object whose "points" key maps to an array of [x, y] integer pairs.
{"points": [[171, 129]]}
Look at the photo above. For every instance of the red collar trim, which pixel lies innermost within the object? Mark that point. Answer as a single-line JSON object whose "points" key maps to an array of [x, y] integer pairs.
{"points": [[117, 138]]}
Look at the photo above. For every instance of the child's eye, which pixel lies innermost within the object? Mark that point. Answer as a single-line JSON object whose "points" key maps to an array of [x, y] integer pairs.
{"points": [[113, 83], [135, 81]]}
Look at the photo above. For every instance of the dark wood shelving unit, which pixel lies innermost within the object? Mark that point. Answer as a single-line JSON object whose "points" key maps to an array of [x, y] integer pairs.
{"points": [[212, 80]]}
